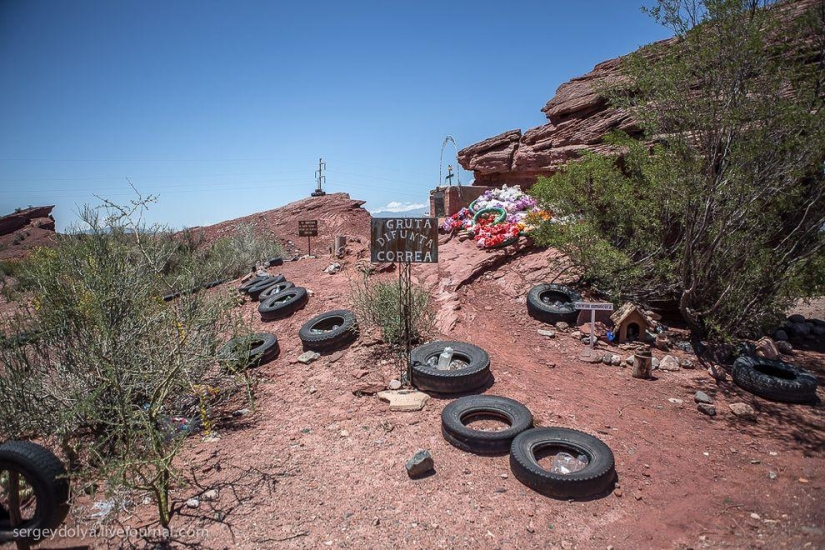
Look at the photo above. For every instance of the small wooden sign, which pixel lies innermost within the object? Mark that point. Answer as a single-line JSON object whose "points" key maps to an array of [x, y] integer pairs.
{"points": [[413, 240], [308, 228], [603, 306]]}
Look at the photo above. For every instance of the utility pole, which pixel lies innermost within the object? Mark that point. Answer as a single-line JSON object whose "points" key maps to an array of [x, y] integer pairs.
{"points": [[320, 178]]}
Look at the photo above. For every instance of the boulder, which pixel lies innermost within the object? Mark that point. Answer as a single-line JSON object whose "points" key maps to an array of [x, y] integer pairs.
{"points": [[669, 363], [784, 347], [421, 463], [743, 410]]}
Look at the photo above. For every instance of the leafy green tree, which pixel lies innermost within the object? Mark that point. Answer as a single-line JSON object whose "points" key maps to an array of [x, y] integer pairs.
{"points": [[726, 213]]}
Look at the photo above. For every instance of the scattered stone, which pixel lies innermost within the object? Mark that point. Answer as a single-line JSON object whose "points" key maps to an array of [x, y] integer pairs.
{"points": [[240, 412], [210, 496], [780, 335], [702, 397], [755, 516], [654, 363], [675, 401], [618, 493], [803, 480], [615, 360], [193, 503], [669, 363], [420, 464], [772, 475], [488, 308], [591, 355], [530, 528], [344, 433], [376, 522], [404, 400], [395, 384], [332, 269], [576, 334], [766, 348], [629, 360], [367, 388], [756, 461], [336, 356], [662, 342], [308, 357], [706, 408], [743, 410], [801, 329], [784, 347], [686, 364], [607, 358], [547, 333], [561, 325], [312, 390]]}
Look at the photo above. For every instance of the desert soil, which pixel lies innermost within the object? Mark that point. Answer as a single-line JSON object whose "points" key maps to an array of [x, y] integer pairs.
{"points": [[315, 465]]}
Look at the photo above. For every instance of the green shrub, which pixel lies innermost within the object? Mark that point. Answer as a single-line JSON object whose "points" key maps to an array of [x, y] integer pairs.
{"points": [[376, 301], [112, 364]]}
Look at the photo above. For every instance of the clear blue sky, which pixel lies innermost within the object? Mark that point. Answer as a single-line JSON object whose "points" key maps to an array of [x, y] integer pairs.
{"points": [[223, 108]]}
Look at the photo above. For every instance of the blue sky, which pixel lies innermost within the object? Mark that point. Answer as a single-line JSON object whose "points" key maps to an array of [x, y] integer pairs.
{"points": [[223, 108]]}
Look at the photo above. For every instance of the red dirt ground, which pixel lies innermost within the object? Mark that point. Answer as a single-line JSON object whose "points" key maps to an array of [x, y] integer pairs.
{"points": [[316, 466]]}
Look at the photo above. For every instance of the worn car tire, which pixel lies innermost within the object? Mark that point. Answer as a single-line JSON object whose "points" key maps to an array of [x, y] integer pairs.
{"points": [[594, 479], [283, 304], [774, 380], [471, 407], [249, 352], [277, 260], [255, 290], [428, 378], [46, 476], [550, 312], [345, 332], [275, 289], [252, 282]]}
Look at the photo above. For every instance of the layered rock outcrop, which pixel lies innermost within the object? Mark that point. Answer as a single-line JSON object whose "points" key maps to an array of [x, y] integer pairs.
{"points": [[578, 120], [24, 230]]}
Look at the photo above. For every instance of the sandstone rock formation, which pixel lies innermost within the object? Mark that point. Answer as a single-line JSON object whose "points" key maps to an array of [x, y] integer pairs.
{"points": [[578, 120], [24, 230]]}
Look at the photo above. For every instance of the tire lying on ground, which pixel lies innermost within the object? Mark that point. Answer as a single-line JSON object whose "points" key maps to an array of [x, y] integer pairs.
{"points": [[247, 352], [283, 304], [329, 330], [255, 290], [275, 289], [594, 479], [428, 378], [552, 303], [44, 491], [251, 282], [484, 407], [774, 380]]}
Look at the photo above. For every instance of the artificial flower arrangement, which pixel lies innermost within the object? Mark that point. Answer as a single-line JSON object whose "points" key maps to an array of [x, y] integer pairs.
{"points": [[498, 217]]}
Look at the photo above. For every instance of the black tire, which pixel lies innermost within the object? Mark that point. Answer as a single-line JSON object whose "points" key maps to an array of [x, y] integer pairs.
{"points": [[482, 442], [552, 312], [216, 282], [318, 333], [255, 290], [249, 352], [283, 304], [46, 476], [774, 380], [429, 378], [251, 282], [277, 260], [275, 289], [170, 297], [594, 479]]}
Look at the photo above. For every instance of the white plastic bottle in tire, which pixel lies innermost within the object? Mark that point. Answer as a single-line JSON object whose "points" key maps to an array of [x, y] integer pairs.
{"points": [[445, 359]]}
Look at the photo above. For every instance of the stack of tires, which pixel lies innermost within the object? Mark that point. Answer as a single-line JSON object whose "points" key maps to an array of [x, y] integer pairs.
{"points": [[278, 297]]}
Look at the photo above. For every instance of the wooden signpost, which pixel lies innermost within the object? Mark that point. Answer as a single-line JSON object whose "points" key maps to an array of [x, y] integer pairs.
{"points": [[308, 229], [593, 307]]}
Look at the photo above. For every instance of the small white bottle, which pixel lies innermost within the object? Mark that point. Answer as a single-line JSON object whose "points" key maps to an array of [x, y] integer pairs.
{"points": [[445, 359]]}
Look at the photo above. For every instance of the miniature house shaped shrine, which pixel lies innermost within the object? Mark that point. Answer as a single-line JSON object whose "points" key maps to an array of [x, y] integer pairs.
{"points": [[630, 323]]}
